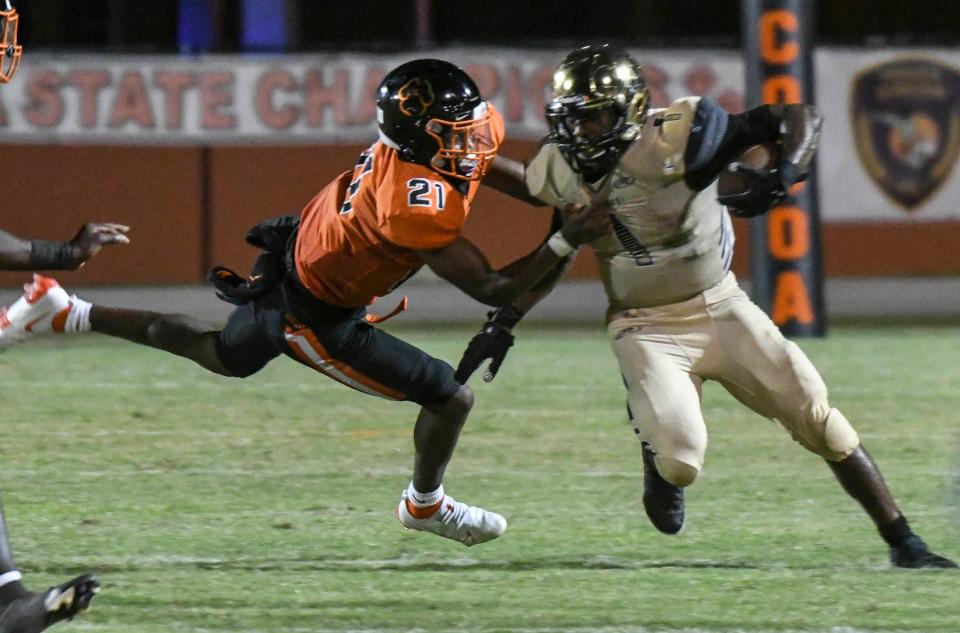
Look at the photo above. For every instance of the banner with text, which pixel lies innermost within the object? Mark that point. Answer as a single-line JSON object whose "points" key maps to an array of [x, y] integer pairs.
{"points": [[786, 266], [890, 141], [292, 99]]}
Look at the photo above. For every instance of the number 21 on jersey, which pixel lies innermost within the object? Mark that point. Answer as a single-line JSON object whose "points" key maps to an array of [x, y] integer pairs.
{"points": [[425, 193]]}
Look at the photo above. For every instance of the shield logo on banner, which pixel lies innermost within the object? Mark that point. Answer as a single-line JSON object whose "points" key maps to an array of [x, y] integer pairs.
{"points": [[906, 125]]}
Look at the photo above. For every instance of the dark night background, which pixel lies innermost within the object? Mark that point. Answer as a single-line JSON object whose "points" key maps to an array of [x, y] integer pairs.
{"points": [[139, 26]]}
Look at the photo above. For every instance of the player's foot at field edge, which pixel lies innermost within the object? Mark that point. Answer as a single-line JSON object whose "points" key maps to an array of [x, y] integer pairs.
{"points": [[34, 612], [913, 553]]}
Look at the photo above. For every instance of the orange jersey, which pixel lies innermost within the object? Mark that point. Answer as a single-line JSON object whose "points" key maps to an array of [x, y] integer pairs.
{"points": [[359, 236]]}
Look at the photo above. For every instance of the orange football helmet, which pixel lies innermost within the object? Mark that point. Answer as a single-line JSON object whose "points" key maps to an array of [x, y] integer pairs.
{"points": [[10, 49]]}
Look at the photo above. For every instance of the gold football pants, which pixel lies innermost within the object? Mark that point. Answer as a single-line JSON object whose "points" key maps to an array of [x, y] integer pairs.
{"points": [[667, 352]]}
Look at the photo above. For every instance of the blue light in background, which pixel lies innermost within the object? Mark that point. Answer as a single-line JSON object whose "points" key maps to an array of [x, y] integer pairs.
{"points": [[264, 25], [196, 28]]}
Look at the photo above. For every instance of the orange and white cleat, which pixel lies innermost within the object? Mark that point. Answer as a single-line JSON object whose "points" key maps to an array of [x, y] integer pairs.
{"points": [[452, 519], [44, 308]]}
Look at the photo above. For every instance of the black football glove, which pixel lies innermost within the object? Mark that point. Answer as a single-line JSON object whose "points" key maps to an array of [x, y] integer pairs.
{"points": [[493, 341], [767, 189]]}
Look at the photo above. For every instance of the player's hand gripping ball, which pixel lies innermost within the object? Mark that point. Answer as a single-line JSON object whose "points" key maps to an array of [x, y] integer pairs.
{"points": [[756, 182]]}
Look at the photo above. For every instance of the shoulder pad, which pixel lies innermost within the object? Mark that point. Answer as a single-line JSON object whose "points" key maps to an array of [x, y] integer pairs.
{"points": [[550, 178], [673, 125]]}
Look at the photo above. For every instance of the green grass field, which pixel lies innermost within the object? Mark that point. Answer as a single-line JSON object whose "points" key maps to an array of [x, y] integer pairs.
{"points": [[215, 505]]}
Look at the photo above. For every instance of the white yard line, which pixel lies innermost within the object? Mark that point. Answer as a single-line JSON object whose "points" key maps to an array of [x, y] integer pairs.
{"points": [[133, 564], [85, 626]]}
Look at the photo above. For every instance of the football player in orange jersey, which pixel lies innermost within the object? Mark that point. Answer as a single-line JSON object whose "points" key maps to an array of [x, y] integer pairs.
{"points": [[402, 206], [22, 611]]}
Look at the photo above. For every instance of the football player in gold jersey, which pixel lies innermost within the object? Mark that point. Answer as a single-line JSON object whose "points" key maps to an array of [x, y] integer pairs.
{"points": [[676, 315]]}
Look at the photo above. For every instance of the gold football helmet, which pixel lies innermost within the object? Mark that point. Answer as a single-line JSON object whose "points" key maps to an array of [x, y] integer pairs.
{"points": [[600, 102]]}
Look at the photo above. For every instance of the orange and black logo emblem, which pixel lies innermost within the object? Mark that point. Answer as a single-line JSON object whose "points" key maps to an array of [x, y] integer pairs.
{"points": [[907, 126], [415, 97]]}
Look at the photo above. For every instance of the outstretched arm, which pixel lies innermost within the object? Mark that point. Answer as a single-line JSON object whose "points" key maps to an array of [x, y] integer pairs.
{"points": [[495, 337], [462, 264], [20, 254], [506, 176]]}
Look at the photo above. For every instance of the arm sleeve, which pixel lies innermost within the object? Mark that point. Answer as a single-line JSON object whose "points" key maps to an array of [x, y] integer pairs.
{"points": [[717, 138]]}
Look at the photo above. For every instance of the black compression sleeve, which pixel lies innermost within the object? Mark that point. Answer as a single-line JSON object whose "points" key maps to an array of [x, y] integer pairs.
{"points": [[46, 255], [758, 125]]}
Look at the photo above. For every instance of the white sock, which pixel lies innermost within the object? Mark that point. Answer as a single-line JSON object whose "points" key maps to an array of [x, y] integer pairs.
{"points": [[9, 577], [78, 319], [424, 499]]}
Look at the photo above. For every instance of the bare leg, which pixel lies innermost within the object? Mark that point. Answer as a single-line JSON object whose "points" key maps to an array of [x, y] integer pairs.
{"points": [[435, 436], [425, 505], [175, 333], [860, 477]]}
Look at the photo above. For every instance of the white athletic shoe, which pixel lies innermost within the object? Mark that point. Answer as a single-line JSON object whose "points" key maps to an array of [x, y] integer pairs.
{"points": [[42, 309], [454, 520]]}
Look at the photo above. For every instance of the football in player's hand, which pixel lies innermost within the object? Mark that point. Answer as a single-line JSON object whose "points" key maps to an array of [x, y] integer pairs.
{"points": [[759, 157]]}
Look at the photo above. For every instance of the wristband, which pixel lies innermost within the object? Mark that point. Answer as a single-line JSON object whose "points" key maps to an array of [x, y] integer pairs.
{"points": [[507, 316], [559, 245], [46, 255]]}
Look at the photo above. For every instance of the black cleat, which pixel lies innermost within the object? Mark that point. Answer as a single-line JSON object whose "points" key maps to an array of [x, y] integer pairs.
{"points": [[34, 612], [662, 500], [913, 553]]}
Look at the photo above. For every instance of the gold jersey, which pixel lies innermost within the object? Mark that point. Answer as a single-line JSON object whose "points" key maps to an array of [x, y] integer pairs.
{"points": [[669, 242]]}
